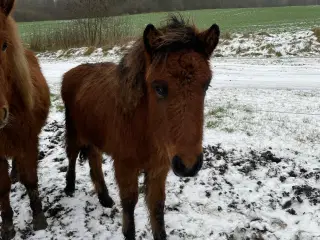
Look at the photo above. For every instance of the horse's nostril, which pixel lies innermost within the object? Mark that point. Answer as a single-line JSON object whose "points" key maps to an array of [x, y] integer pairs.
{"points": [[199, 162], [181, 170], [178, 165]]}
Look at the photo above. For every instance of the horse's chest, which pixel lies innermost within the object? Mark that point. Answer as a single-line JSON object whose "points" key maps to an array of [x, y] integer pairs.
{"points": [[12, 141]]}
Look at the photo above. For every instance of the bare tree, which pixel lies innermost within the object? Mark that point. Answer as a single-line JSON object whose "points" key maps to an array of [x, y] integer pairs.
{"points": [[93, 16]]}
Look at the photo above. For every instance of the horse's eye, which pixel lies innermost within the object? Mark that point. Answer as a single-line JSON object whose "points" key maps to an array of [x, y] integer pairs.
{"points": [[161, 91], [161, 88], [4, 46]]}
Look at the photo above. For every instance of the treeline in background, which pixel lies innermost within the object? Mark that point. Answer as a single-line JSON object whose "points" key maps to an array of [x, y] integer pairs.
{"points": [[39, 10]]}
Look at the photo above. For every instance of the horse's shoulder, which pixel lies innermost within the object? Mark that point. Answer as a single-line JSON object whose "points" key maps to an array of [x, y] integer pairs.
{"points": [[31, 57]]}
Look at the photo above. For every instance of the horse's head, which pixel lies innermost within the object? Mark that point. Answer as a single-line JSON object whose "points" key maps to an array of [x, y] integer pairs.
{"points": [[177, 78], [5, 9]]}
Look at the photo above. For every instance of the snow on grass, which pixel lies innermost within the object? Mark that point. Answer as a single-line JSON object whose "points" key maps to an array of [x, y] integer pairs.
{"points": [[264, 44], [259, 44], [260, 179]]}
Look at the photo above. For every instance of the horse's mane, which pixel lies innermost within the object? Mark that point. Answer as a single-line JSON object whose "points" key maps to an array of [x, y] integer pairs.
{"points": [[20, 72], [177, 34]]}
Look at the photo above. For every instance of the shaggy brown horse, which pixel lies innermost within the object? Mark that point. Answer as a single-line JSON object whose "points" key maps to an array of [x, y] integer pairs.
{"points": [[24, 107], [146, 113]]}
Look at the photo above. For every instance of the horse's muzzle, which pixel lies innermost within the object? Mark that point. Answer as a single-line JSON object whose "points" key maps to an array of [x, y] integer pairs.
{"points": [[181, 170], [4, 114]]}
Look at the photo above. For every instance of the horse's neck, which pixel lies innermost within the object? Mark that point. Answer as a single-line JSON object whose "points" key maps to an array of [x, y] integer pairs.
{"points": [[20, 67]]}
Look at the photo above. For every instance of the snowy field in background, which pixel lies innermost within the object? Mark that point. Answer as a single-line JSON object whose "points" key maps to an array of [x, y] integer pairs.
{"points": [[258, 45], [260, 180]]}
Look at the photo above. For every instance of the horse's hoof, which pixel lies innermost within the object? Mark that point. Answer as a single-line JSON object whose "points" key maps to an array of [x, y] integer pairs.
{"points": [[40, 222], [160, 236], [105, 200], [69, 191], [130, 238], [7, 233], [129, 235]]}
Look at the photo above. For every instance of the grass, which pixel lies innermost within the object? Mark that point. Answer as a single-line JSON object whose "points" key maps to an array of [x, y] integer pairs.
{"points": [[278, 54], [230, 20], [89, 51], [56, 102], [80, 33], [217, 112], [226, 36], [213, 124], [228, 130], [268, 46], [246, 35], [217, 117], [316, 32], [264, 34]]}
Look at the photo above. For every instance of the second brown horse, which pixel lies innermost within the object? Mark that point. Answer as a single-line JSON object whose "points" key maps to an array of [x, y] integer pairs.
{"points": [[145, 112]]}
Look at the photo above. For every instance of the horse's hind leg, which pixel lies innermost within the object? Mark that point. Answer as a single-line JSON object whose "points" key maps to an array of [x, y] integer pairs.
{"points": [[95, 161], [7, 230], [27, 168], [72, 149], [72, 154]]}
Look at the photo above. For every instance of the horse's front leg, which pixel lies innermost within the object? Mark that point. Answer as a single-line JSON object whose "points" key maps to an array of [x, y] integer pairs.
{"points": [[28, 174], [127, 180], [155, 198], [7, 229]]}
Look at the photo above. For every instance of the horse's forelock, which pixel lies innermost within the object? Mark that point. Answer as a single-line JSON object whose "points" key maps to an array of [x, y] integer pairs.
{"points": [[178, 34]]}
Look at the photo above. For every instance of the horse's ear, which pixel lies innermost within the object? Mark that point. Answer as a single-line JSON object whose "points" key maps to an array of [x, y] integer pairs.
{"points": [[210, 38], [6, 6], [151, 38]]}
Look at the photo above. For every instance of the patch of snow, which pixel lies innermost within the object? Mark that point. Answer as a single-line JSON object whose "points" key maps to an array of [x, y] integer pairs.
{"points": [[299, 43]]}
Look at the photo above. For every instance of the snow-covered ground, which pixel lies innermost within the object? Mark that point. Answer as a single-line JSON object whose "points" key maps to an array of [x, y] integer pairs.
{"points": [[260, 180]]}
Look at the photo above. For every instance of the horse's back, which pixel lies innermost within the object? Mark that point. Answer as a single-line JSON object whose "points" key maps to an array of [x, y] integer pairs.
{"points": [[41, 88], [89, 95], [75, 79]]}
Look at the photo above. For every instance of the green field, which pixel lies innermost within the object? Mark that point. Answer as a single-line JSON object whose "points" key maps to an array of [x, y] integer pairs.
{"points": [[231, 20], [244, 20]]}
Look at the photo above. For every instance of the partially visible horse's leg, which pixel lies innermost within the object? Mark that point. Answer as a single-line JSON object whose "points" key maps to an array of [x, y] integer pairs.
{"points": [[72, 149], [7, 230], [127, 180], [95, 161], [155, 198], [27, 168], [14, 172]]}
